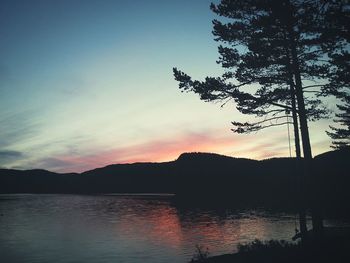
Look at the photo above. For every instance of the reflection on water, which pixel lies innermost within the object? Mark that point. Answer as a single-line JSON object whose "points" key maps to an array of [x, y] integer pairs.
{"points": [[73, 228]]}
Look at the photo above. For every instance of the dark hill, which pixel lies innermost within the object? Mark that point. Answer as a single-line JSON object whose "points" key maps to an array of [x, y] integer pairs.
{"points": [[131, 178], [197, 179]]}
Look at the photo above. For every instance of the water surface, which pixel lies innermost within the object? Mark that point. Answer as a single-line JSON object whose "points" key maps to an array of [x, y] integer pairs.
{"points": [[125, 228]]}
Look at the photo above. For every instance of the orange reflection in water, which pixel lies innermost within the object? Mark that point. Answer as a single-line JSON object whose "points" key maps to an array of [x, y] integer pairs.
{"points": [[167, 226], [222, 235], [159, 225]]}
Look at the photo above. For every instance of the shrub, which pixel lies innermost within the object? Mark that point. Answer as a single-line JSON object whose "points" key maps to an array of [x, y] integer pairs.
{"points": [[201, 254]]}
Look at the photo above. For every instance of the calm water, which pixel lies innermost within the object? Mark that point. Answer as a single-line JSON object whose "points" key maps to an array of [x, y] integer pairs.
{"points": [[74, 228]]}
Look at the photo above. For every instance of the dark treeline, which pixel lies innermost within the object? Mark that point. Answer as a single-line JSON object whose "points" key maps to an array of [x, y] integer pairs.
{"points": [[198, 179], [118, 178], [214, 180]]}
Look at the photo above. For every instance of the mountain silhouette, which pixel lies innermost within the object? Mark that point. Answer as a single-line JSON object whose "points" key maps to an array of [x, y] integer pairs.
{"points": [[198, 179]]}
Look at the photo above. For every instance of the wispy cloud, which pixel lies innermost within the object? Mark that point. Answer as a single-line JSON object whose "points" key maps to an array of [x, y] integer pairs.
{"points": [[79, 153], [165, 149], [17, 127], [75, 157], [8, 156]]}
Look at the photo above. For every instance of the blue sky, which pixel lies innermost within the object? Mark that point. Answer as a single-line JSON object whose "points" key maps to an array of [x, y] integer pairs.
{"points": [[89, 83]]}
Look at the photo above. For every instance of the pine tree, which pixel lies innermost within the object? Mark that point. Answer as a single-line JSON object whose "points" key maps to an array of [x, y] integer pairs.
{"points": [[280, 47], [341, 136], [337, 21], [339, 86]]}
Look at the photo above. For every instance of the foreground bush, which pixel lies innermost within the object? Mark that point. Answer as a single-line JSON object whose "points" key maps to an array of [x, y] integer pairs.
{"points": [[273, 251]]}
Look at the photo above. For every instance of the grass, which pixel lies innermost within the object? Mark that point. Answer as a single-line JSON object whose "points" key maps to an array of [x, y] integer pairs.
{"points": [[273, 251]]}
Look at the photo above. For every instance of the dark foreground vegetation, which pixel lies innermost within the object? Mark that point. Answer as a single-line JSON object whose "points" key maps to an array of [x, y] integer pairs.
{"points": [[199, 179], [273, 251]]}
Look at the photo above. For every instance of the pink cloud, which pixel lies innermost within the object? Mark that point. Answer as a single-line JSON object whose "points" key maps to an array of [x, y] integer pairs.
{"points": [[168, 149], [153, 151]]}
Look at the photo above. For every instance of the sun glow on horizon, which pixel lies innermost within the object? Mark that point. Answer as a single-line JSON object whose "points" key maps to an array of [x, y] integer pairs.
{"points": [[79, 93]]}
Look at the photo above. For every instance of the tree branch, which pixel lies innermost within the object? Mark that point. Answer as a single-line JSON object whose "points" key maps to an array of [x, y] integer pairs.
{"points": [[277, 124], [313, 86], [270, 119]]}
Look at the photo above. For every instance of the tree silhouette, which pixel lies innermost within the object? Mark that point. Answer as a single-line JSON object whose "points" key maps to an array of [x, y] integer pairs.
{"points": [[337, 30], [340, 87], [341, 136], [273, 53]]}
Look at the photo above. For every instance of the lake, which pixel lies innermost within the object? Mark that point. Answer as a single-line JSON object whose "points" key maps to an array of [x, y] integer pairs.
{"points": [[126, 228]]}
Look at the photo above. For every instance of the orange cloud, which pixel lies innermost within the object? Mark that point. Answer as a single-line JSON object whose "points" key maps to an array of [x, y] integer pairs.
{"points": [[168, 149], [154, 151]]}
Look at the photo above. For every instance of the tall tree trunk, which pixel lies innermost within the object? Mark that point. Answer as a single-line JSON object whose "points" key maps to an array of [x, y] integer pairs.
{"points": [[301, 196], [312, 183], [301, 181]]}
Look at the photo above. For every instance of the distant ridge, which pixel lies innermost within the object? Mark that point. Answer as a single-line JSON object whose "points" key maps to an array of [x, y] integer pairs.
{"points": [[204, 155], [197, 178]]}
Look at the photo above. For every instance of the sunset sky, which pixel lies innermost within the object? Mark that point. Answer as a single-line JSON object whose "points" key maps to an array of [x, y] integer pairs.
{"points": [[89, 83]]}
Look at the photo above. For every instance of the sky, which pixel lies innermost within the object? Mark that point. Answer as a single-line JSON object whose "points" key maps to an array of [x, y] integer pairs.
{"points": [[87, 83]]}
